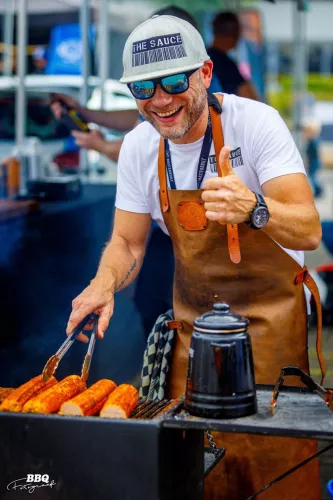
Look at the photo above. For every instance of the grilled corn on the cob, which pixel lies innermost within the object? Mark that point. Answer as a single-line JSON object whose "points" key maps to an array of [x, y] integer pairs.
{"points": [[50, 401], [90, 401], [16, 400], [121, 402]]}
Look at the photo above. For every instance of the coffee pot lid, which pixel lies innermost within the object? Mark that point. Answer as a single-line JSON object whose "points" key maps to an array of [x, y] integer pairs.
{"points": [[221, 319]]}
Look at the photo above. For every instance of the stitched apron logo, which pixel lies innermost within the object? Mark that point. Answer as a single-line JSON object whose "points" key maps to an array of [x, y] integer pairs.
{"points": [[157, 49], [192, 215]]}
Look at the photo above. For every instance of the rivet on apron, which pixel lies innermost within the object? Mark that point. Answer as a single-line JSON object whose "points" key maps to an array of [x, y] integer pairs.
{"points": [[180, 204]]}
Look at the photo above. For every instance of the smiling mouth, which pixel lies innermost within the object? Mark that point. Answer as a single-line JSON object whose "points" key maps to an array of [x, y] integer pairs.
{"points": [[169, 114]]}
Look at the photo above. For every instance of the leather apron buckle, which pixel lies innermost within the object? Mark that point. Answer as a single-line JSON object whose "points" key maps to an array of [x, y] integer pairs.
{"points": [[301, 277], [175, 325], [192, 215]]}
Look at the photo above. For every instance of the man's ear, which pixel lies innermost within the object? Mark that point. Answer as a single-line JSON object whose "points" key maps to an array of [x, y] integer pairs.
{"points": [[207, 73]]}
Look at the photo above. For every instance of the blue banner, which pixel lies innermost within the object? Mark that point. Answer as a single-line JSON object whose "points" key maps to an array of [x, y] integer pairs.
{"points": [[65, 54]]}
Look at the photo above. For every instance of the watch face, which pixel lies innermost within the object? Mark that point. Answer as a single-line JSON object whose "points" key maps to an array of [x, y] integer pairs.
{"points": [[260, 217]]}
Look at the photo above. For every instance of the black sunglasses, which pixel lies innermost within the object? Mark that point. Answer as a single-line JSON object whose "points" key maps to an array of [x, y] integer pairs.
{"points": [[173, 84]]}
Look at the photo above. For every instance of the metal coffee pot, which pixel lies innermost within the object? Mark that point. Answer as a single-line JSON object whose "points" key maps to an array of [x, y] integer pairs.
{"points": [[220, 380]]}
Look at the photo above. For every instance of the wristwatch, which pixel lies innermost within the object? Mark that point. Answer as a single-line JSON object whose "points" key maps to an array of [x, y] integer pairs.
{"points": [[259, 215]]}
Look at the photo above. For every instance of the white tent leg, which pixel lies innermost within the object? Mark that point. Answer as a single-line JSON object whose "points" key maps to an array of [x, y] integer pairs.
{"points": [[21, 69], [85, 34], [8, 37], [299, 71], [104, 49]]}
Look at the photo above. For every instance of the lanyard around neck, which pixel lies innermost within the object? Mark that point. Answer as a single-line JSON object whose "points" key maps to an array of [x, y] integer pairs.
{"points": [[203, 159]]}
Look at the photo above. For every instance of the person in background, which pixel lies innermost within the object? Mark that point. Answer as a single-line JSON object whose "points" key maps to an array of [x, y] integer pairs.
{"points": [[123, 121], [39, 60], [311, 131], [227, 31]]}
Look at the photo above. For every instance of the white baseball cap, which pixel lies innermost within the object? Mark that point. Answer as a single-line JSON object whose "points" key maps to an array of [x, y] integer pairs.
{"points": [[161, 46]]}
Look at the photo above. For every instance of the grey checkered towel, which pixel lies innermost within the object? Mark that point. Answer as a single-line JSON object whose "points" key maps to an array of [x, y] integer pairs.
{"points": [[156, 359]]}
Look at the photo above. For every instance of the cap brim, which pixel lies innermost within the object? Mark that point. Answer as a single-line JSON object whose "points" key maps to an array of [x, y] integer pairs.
{"points": [[160, 73]]}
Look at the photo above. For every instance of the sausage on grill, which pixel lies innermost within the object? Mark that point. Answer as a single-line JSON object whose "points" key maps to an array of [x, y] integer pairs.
{"points": [[16, 400], [90, 401], [50, 401], [121, 402]]}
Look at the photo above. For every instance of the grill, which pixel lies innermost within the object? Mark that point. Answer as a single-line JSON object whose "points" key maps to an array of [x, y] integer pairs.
{"points": [[157, 454]]}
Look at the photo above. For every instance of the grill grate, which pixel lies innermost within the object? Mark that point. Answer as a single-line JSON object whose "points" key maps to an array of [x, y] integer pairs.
{"points": [[149, 409]]}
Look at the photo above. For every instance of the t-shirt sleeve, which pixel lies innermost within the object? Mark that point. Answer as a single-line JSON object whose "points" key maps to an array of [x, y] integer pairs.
{"points": [[129, 195], [274, 150]]}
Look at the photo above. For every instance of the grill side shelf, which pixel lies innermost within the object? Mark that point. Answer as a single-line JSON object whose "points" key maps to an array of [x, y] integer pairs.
{"points": [[299, 413]]}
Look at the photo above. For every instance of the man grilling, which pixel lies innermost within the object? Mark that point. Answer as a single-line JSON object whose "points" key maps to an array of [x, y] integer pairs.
{"points": [[239, 216]]}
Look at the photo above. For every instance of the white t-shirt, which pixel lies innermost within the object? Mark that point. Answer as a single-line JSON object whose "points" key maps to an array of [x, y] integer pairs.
{"points": [[262, 148]]}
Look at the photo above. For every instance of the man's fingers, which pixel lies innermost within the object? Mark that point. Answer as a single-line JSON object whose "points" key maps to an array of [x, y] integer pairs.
{"points": [[103, 321], [56, 110], [216, 216], [83, 338], [79, 135], [78, 314], [224, 161], [215, 206]]}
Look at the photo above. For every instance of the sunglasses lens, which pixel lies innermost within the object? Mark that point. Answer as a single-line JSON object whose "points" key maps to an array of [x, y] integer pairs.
{"points": [[175, 84], [143, 89]]}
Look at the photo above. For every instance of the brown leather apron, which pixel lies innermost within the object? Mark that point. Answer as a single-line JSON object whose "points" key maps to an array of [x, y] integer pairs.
{"points": [[263, 287]]}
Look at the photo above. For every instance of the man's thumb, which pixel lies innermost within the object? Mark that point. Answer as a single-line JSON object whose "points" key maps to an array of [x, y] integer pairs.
{"points": [[224, 161]]}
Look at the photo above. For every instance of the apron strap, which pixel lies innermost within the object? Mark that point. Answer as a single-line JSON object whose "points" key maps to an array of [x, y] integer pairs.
{"points": [[164, 199], [305, 277], [218, 138]]}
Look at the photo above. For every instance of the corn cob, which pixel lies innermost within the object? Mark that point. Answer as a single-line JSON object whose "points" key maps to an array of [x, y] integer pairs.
{"points": [[121, 402], [18, 398], [90, 401], [51, 400], [4, 392]]}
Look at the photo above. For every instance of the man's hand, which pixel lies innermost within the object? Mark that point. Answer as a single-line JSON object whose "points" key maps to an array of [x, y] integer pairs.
{"points": [[227, 199], [58, 100], [90, 140], [97, 298]]}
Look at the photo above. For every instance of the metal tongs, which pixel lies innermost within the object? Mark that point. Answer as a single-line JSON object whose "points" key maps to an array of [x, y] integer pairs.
{"points": [[53, 361], [325, 394]]}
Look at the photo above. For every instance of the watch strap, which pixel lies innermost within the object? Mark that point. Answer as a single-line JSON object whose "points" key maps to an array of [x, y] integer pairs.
{"points": [[260, 200]]}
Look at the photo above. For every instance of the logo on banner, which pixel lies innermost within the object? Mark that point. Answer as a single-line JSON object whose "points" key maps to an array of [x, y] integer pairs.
{"points": [[70, 51], [157, 49], [31, 483]]}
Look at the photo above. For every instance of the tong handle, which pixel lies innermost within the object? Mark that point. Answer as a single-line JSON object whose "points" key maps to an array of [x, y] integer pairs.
{"points": [[88, 357], [73, 336]]}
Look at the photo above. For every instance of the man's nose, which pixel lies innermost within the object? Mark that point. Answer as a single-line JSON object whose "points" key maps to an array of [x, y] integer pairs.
{"points": [[161, 98]]}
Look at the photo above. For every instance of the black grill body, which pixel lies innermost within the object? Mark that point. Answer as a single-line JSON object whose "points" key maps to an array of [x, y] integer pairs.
{"points": [[92, 458], [157, 454]]}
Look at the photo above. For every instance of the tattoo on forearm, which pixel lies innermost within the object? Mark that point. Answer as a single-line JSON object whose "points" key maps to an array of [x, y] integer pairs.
{"points": [[131, 269]]}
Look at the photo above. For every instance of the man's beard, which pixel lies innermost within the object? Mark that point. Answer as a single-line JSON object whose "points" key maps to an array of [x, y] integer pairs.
{"points": [[190, 117]]}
